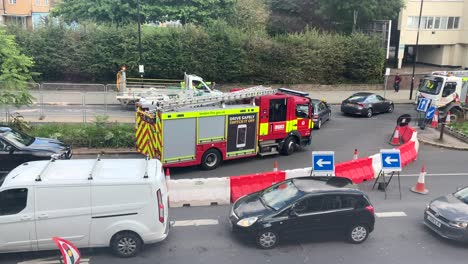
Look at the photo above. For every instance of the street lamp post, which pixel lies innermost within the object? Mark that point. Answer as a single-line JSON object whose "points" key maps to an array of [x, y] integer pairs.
{"points": [[416, 49], [140, 65]]}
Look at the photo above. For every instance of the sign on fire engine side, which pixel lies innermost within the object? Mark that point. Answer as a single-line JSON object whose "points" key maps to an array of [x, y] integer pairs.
{"points": [[242, 131]]}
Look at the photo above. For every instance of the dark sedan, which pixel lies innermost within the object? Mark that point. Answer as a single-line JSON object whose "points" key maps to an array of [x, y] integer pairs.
{"points": [[304, 206], [366, 104], [322, 113], [448, 215], [17, 147]]}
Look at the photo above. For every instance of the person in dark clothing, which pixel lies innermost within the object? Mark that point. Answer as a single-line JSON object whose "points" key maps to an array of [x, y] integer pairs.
{"points": [[396, 84]]}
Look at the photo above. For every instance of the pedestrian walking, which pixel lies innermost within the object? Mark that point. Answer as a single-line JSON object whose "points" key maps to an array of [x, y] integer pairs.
{"points": [[396, 83]]}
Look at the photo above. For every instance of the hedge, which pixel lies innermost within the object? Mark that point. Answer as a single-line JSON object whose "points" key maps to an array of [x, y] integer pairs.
{"points": [[217, 52], [88, 135]]}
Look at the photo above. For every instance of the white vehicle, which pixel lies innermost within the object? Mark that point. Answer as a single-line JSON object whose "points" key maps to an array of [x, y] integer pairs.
{"points": [[154, 92], [121, 204], [446, 90]]}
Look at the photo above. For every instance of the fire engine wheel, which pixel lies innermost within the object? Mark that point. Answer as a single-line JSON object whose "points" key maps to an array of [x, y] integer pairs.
{"points": [[211, 159], [289, 146]]}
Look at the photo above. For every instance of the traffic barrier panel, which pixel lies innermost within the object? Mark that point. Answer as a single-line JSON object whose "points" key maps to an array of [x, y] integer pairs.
{"points": [[356, 170], [247, 184], [414, 138], [199, 192], [406, 133], [408, 153], [298, 173], [376, 164]]}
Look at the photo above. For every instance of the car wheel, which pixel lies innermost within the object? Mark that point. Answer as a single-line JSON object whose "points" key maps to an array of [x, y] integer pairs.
{"points": [[267, 239], [319, 124], [289, 146], [358, 234], [211, 159], [391, 108], [369, 113], [126, 244]]}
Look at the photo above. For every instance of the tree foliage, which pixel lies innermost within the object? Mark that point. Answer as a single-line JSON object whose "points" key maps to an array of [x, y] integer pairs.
{"points": [[217, 52], [124, 11], [14, 72], [296, 15]]}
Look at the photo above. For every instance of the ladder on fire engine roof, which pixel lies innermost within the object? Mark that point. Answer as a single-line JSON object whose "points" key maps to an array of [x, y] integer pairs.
{"points": [[453, 73], [214, 98]]}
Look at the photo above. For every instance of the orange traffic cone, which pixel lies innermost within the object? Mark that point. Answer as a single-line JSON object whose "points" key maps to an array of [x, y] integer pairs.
{"points": [[168, 177], [355, 156], [420, 185], [447, 120], [396, 138], [275, 166], [435, 119]]}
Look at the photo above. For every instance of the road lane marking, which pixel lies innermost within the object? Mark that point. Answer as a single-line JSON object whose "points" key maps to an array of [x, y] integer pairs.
{"points": [[437, 174], [390, 214], [51, 260], [199, 222]]}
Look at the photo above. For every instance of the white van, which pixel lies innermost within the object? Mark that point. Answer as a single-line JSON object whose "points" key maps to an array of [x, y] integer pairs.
{"points": [[116, 203]]}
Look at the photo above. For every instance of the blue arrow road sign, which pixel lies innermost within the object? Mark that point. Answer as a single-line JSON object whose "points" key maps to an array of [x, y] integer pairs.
{"points": [[423, 104], [391, 160], [430, 112], [323, 162]]}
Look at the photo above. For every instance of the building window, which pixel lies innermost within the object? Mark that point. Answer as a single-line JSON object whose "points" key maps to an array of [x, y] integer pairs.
{"points": [[12, 2], [38, 2], [430, 23], [46, 2]]}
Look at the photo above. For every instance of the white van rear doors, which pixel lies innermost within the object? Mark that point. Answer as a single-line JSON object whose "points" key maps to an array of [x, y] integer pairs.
{"points": [[63, 211], [17, 229]]}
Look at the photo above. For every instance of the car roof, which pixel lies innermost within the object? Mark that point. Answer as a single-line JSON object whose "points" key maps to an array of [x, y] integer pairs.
{"points": [[4, 129], [314, 184], [362, 94], [61, 172]]}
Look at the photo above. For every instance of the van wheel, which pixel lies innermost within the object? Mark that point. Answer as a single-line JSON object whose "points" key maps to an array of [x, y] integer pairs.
{"points": [[358, 233], [126, 244], [211, 159], [289, 146]]}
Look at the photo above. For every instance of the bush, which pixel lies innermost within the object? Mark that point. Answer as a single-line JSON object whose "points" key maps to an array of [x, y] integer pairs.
{"points": [[218, 52], [97, 135]]}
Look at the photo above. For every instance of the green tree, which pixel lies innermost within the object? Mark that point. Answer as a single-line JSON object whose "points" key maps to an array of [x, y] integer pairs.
{"points": [[296, 15], [124, 11], [250, 14], [14, 72]]}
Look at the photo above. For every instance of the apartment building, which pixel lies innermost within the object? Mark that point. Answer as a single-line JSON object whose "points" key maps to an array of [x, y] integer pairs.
{"points": [[27, 13], [443, 35]]}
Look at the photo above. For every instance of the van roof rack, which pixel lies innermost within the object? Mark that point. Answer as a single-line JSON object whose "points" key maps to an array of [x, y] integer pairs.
{"points": [[53, 158], [145, 176], [90, 177]]}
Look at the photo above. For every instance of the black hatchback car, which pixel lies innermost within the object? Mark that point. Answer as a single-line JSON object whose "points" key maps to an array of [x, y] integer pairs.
{"points": [[17, 147], [366, 104], [304, 206], [448, 215], [322, 112]]}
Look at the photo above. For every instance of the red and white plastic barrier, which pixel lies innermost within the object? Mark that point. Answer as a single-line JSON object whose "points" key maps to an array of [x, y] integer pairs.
{"points": [[203, 192]]}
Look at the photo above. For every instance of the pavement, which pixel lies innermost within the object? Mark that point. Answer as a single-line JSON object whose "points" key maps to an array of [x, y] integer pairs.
{"points": [[431, 136]]}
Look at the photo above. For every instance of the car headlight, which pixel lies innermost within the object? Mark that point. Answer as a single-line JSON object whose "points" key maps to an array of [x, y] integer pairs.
{"points": [[459, 224], [246, 222]]}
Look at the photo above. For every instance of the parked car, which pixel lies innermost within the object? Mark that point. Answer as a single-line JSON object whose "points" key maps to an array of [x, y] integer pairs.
{"points": [[448, 215], [17, 147], [366, 104], [303, 206], [322, 113], [116, 203]]}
